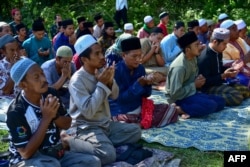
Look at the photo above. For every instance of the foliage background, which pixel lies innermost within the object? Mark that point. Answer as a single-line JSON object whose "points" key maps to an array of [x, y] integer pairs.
{"points": [[184, 10]]}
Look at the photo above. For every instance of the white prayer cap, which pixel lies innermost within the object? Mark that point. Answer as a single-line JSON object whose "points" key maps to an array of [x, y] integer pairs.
{"points": [[128, 26], [210, 22], [227, 24], [240, 24], [222, 16], [3, 23], [20, 68], [84, 42], [202, 22], [147, 19]]}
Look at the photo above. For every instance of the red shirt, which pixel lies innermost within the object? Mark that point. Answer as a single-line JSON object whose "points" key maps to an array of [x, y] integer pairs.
{"points": [[76, 61], [164, 29]]}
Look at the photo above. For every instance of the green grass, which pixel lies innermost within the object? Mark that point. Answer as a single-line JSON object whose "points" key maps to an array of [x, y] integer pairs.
{"points": [[190, 157], [3, 145]]}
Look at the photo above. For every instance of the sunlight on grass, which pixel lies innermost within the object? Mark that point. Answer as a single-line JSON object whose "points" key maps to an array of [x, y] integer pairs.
{"points": [[191, 157]]}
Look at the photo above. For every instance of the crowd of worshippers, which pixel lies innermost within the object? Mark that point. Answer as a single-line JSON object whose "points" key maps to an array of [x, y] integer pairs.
{"points": [[89, 81]]}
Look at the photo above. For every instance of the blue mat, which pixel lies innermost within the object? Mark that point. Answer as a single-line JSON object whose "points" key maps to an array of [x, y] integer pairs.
{"points": [[222, 131]]}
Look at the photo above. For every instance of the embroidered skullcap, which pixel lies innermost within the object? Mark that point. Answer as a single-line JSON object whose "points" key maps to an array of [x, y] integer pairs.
{"points": [[80, 19], [147, 19], [156, 30], [132, 43], [64, 51], [19, 26], [227, 24], [221, 33], [128, 26], [179, 24], [88, 24], [222, 16], [108, 24], [97, 16], [38, 26], [187, 39], [7, 38], [84, 42], [210, 22], [20, 68], [193, 23], [202, 22], [163, 14], [67, 22], [240, 24]]}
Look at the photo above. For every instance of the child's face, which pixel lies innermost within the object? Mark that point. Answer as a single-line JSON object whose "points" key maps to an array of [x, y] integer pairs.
{"points": [[22, 32]]}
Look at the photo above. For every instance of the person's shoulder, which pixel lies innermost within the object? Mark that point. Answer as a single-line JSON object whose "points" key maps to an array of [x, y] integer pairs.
{"points": [[12, 23], [27, 41], [48, 64], [16, 106]]}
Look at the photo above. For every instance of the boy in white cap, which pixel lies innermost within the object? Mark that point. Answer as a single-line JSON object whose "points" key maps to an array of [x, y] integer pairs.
{"points": [[144, 32], [128, 28], [90, 89], [58, 71], [211, 67], [35, 119]]}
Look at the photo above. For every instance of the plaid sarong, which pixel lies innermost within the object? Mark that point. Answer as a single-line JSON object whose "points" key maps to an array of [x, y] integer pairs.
{"points": [[233, 95]]}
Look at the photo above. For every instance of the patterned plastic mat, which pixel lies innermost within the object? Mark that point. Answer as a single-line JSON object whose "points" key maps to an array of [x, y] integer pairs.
{"points": [[221, 131]]}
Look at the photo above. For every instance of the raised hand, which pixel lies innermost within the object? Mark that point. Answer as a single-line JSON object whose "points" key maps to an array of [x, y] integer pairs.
{"points": [[49, 107], [199, 81]]}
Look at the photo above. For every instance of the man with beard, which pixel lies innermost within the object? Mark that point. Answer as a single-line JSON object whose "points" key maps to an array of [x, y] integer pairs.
{"points": [[183, 81], [90, 87], [34, 120]]}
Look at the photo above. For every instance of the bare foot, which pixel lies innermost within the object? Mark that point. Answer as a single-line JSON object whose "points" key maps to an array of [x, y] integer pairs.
{"points": [[185, 116], [181, 112]]}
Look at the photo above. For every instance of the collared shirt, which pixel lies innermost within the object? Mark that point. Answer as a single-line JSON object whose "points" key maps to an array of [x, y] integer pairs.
{"points": [[170, 48], [130, 91], [211, 67], [181, 76], [23, 120], [89, 100]]}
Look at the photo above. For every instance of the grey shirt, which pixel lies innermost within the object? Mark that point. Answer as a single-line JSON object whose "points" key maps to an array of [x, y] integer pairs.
{"points": [[89, 100]]}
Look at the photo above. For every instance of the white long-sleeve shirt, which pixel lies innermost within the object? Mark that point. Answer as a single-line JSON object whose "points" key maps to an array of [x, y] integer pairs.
{"points": [[120, 4]]}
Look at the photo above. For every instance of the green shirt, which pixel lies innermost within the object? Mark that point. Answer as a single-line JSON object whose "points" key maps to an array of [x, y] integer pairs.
{"points": [[181, 76]]}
